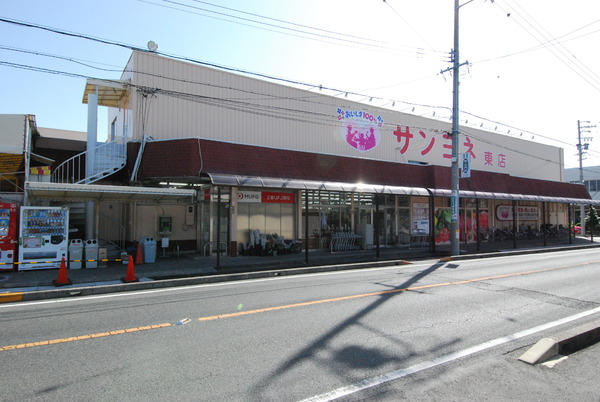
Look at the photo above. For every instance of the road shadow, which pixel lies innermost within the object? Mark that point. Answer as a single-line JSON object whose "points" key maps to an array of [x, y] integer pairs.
{"points": [[350, 356]]}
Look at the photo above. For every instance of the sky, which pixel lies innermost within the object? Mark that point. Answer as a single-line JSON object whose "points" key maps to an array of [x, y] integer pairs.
{"points": [[532, 67]]}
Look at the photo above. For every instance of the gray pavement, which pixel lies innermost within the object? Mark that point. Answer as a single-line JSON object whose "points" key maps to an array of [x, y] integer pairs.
{"points": [[501, 377], [188, 269]]}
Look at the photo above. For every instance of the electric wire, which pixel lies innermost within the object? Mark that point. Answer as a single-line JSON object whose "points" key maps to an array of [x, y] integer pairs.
{"points": [[563, 49], [298, 115], [294, 82], [559, 39], [574, 65], [285, 22], [85, 63], [330, 37], [55, 30]]}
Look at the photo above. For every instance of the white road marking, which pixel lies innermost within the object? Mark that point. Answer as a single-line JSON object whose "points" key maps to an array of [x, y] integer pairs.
{"points": [[397, 374], [418, 264]]}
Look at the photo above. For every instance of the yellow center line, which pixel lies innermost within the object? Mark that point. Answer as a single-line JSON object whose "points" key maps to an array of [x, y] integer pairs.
{"points": [[287, 306], [384, 292], [83, 337]]}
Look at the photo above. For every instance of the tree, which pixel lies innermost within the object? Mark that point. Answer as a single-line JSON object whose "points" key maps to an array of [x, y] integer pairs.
{"points": [[592, 219]]}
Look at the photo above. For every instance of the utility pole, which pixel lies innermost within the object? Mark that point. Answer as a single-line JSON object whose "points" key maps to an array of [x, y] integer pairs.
{"points": [[455, 198], [580, 149]]}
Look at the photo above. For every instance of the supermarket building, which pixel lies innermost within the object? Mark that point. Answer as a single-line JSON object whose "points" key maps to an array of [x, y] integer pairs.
{"points": [[244, 158]]}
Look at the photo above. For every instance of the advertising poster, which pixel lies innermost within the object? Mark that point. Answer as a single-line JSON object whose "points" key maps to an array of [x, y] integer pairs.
{"points": [[421, 217], [441, 219], [467, 225]]}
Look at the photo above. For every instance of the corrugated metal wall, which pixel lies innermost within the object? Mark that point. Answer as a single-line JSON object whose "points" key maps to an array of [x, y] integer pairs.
{"points": [[176, 99]]}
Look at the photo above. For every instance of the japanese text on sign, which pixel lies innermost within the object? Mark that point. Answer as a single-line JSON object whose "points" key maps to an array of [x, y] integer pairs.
{"points": [[431, 141]]}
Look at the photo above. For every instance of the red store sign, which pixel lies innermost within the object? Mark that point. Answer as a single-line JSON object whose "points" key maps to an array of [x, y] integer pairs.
{"points": [[266, 197], [279, 198]]}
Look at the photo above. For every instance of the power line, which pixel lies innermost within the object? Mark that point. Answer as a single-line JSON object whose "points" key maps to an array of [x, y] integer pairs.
{"points": [[67, 33], [240, 104], [320, 35], [410, 26], [183, 58], [85, 63], [131, 47], [285, 22], [575, 66], [45, 70], [543, 45], [563, 49]]}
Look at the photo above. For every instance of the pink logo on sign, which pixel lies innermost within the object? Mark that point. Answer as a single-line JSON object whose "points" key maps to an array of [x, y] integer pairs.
{"points": [[360, 129]]}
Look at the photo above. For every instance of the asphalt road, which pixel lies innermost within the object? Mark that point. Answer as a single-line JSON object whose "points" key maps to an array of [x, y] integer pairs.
{"points": [[427, 331]]}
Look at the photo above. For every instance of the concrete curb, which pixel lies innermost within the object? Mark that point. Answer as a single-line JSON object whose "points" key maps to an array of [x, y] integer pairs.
{"points": [[565, 343], [66, 292], [82, 290], [509, 253]]}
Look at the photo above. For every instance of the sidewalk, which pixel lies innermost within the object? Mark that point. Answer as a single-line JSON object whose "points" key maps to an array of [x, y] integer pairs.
{"points": [[191, 269]]}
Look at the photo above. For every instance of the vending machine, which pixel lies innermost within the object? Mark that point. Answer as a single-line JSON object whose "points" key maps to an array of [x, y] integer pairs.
{"points": [[44, 239], [8, 235]]}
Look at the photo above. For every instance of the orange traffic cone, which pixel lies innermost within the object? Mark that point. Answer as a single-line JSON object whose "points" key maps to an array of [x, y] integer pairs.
{"points": [[139, 258], [62, 278], [130, 276]]}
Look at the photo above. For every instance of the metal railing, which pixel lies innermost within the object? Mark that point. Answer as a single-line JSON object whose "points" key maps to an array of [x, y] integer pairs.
{"points": [[109, 158]]}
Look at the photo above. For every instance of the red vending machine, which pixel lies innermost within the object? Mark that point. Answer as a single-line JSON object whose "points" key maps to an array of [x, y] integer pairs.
{"points": [[8, 235]]}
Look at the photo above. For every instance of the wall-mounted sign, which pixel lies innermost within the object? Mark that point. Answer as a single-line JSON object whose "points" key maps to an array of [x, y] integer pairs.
{"points": [[524, 213], [465, 171], [249, 196], [279, 198], [360, 129], [420, 217], [267, 197]]}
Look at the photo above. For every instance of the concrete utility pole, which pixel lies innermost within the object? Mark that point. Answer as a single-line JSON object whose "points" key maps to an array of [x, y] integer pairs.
{"points": [[455, 199], [580, 148]]}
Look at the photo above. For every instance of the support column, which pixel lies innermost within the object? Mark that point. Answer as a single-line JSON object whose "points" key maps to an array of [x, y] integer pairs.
{"points": [[27, 160], [218, 228], [233, 229], [376, 225], [477, 231], [431, 222], [514, 214], [569, 223], [544, 223], [90, 160], [306, 226]]}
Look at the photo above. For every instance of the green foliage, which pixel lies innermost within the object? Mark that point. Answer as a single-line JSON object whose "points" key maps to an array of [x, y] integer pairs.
{"points": [[591, 218]]}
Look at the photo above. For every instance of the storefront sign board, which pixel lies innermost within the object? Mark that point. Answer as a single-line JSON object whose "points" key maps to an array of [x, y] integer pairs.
{"points": [[524, 213], [266, 197]]}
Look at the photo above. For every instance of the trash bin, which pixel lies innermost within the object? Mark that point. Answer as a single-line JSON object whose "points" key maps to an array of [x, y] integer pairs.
{"points": [[75, 253], [149, 249], [91, 253]]}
